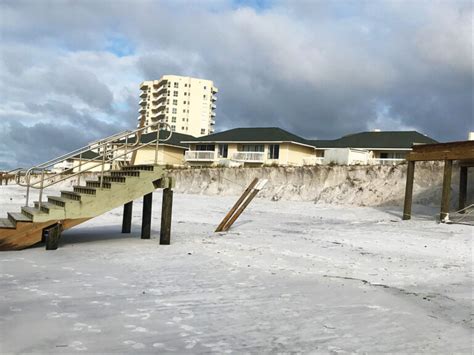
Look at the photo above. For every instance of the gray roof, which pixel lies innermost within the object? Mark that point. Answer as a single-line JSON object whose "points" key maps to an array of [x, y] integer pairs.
{"points": [[380, 140], [252, 134], [89, 155]]}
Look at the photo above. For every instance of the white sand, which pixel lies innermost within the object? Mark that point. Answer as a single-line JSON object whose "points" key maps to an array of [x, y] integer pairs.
{"points": [[289, 277]]}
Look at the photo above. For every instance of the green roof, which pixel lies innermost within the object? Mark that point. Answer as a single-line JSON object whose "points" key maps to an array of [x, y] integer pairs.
{"points": [[175, 140], [380, 140], [252, 134]]}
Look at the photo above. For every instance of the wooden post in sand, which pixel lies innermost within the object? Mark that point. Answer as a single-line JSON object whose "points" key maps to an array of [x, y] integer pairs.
{"points": [[146, 215], [409, 190], [234, 208], [52, 235], [462, 188], [166, 214], [448, 168], [127, 217]]}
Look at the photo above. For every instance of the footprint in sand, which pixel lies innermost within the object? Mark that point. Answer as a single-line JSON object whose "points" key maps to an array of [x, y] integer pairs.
{"points": [[134, 344], [52, 315], [77, 345], [82, 327]]}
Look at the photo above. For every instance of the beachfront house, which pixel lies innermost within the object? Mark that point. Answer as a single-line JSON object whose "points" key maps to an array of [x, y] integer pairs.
{"points": [[254, 146], [381, 147]]}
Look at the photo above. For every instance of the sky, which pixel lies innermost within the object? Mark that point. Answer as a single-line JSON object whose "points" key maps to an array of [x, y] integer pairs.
{"points": [[70, 70]]}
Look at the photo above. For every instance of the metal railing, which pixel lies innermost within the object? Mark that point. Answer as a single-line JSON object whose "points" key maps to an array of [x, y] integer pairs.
{"points": [[249, 156], [200, 155], [108, 150]]}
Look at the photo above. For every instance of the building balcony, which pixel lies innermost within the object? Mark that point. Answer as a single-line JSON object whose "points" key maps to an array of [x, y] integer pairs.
{"points": [[249, 157], [160, 83], [158, 99], [144, 86], [213, 122], [214, 90], [160, 92], [211, 130], [142, 103], [143, 94], [157, 108], [200, 155], [214, 98], [213, 106], [213, 114], [142, 110]]}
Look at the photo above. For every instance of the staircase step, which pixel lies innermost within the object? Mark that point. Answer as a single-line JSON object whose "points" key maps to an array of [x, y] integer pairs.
{"points": [[58, 201], [46, 206], [125, 173], [30, 212], [71, 195], [138, 167], [119, 179], [96, 184], [6, 223], [18, 217], [85, 190]]}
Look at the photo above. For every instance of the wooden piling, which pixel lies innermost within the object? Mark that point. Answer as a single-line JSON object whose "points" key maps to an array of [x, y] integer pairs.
{"points": [[127, 217], [166, 217], [462, 188], [146, 216], [51, 235], [247, 191], [448, 168], [409, 190]]}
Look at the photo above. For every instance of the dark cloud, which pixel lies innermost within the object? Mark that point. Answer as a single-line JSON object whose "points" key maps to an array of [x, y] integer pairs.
{"points": [[319, 69]]}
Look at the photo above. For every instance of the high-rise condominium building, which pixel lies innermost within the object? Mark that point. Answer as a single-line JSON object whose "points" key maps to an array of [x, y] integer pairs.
{"points": [[186, 104]]}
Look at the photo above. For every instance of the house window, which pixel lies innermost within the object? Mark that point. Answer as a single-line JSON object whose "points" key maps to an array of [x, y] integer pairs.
{"points": [[252, 148], [184, 102], [184, 111], [206, 147], [185, 85], [182, 128], [174, 110], [383, 155], [205, 87], [223, 150], [173, 119], [204, 97], [173, 128], [203, 131], [176, 85], [175, 93], [273, 151], [185, 93], [175, 102]]}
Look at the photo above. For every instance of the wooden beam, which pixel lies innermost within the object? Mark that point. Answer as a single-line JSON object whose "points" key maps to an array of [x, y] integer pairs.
{"points": [[448, 168], [247, 191], [127, 217], [166, 217], [443, 151], [462, 188], [409, 190], [146, 216]]}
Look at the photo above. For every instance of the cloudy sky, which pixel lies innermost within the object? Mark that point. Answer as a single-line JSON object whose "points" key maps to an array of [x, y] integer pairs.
{"points": [[70, 70]]}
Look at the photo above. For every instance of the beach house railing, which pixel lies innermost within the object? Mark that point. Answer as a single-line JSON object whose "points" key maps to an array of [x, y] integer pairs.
{"points": [[200, 155], [249, 157]]}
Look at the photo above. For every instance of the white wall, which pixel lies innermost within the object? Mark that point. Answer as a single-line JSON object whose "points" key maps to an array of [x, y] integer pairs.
{"points": [[346, 156]]}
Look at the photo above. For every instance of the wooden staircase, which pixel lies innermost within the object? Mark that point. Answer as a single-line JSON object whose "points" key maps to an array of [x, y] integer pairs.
{"points": [[111, 190]]}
